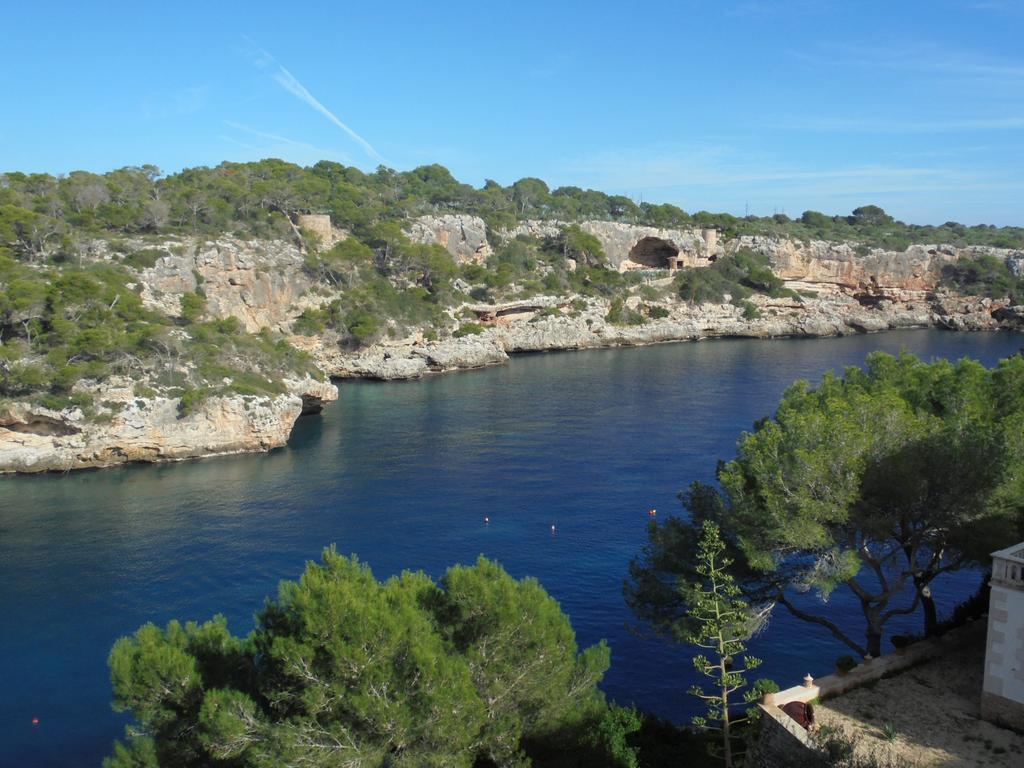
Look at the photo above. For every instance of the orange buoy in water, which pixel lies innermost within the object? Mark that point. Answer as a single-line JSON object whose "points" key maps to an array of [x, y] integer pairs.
{"points": [[35, 721]]}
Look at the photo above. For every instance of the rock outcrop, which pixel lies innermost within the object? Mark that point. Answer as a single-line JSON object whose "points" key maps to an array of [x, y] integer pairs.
{"points": [[829, 315], [695, 247], [260, 283], [134, 429], [465, 237]]}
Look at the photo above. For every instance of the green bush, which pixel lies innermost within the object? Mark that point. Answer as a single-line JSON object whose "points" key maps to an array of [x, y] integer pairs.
{"points": [[311, 322], [737, 276], [192, 307], [983, 276], [468, 329], [620, 314], [143, 259], [362, 325], [190, 400], [750, 311]]}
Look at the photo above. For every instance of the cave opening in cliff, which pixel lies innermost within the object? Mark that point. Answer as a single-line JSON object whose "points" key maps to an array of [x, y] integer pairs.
{"points": [[653, 252]]}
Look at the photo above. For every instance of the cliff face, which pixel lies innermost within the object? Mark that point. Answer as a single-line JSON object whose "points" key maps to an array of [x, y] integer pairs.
{"points": [[36, 439], [534, 331], [838, 266], [619, 241], [262, 283], [465, 237], [825, 265]]}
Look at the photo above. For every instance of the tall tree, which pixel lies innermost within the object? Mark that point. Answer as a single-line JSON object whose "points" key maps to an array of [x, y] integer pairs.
{"points": [[875, 483], [719, 622]]}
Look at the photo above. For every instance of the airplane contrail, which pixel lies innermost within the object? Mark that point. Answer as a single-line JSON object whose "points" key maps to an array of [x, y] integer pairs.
{"points": [[290, 83]]}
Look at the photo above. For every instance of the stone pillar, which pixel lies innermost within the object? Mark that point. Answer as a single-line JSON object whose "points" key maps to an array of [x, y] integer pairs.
{"points": [[1002, 697]]}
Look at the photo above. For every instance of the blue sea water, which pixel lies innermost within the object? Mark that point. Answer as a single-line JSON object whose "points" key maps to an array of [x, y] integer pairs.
{"points": [[403, 474]]}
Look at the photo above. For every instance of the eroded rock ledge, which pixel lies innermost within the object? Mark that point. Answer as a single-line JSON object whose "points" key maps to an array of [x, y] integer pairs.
{"points": [[539, 331], [35, 439]]}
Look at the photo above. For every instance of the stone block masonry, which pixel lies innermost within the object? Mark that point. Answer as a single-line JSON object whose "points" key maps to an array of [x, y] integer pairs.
{"points": [[1002, 698]]}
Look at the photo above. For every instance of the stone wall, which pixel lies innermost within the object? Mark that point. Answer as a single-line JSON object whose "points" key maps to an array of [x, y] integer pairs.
{"points": [[781, 743], [1002, 699], [875, 669]]}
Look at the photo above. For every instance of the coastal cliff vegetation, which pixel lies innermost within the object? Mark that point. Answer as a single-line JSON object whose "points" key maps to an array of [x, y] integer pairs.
{"points": [[81, 257]]}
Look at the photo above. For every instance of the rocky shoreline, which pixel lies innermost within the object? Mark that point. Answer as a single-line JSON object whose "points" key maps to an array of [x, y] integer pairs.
{"points": [[843, 290], [534, 332], [133, 429], [35, 439]]}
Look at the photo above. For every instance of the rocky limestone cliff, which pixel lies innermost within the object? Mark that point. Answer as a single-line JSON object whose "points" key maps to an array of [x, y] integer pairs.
{"points": [[829, 315], [262, 283], [465, 237], [36, 439], [259, 282], [619, 239], [839, 266], [829, 265]]}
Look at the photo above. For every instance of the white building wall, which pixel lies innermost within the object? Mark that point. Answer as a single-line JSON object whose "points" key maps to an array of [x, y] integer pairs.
{"points": [[1004, 656], [1002, 698]]}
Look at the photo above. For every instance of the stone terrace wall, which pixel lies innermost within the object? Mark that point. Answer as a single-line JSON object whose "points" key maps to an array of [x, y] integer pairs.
{"points": [[782, 742]]}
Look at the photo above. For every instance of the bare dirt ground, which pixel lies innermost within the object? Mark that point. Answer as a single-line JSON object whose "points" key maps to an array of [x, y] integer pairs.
{"points": [[926, 716]]}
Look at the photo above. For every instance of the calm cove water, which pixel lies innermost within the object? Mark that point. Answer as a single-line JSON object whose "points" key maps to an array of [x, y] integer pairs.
{"points": [[403, 474]]}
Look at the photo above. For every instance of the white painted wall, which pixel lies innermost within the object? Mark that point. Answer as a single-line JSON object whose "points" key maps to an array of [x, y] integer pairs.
{"points": [[1004, 655]]}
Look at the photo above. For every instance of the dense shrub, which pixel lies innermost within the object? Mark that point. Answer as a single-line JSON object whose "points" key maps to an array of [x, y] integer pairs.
{"points": [[984, 276], [737, 276]]}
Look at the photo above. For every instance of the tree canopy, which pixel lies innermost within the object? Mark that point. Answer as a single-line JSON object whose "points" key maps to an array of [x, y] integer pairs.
{"points": [[38, 210], [344, 670], [875, 482]]}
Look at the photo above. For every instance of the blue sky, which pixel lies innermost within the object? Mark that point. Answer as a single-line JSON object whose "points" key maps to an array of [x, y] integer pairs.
{"points": [[727, 106]]}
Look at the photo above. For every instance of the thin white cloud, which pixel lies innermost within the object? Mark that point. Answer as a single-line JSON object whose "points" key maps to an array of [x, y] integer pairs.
{"points": [[282, 141], [710, 175], [182, 101], [290, 83], [885, 125], [914, 57]]}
